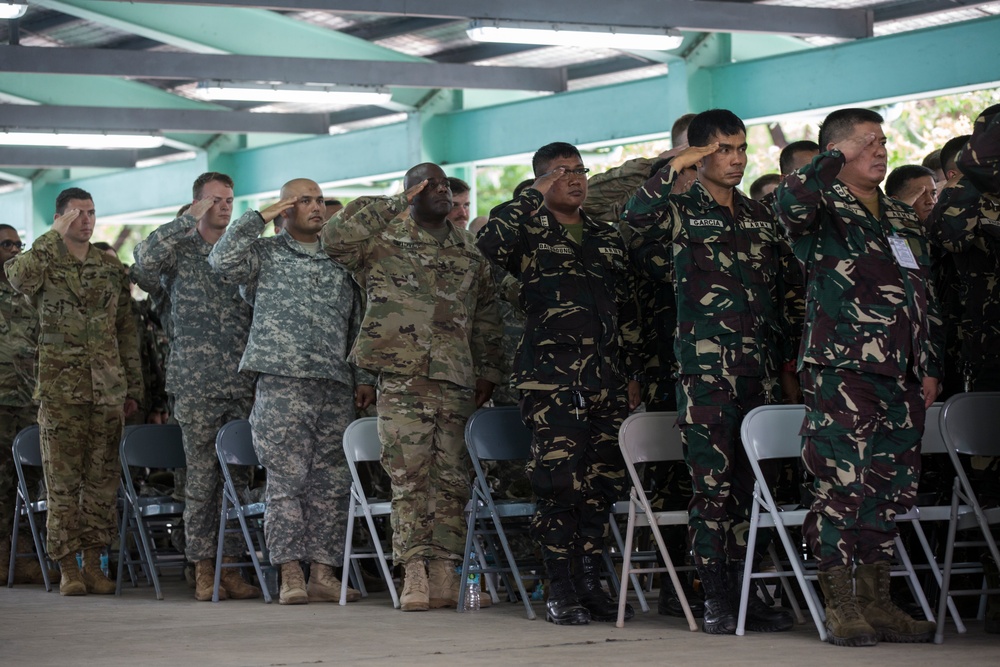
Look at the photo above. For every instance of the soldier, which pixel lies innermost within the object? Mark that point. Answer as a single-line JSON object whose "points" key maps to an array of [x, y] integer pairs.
{"points": [[869, 368], [89, 380], [913, 185], [208, 329], [307, 311], [725, 265], [18, 410], [432, 331], [572, 367], [460, 193]]}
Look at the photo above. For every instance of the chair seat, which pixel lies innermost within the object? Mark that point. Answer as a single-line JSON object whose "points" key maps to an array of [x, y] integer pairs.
{"points": [[380, 508], [163, 509]]}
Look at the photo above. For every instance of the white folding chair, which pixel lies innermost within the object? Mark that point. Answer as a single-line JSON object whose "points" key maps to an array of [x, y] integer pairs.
{"points": [[153, 519], [970, 425], [362, 444], [27, 453], [495, 434], [649, 437], [234, 447]]}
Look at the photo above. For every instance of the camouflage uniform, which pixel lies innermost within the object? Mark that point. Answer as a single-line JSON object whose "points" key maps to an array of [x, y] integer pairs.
{"points": [[965, 224], [307, 310], [88, 365], [208, 326], [869, 339], [728, 288], [431, 328], [18, 343], [579, 344]]}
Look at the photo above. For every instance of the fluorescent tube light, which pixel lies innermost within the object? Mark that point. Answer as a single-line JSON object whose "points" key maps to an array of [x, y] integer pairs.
{"points": [[294, 94], [80, 140], [12, 10], [572, 34]]}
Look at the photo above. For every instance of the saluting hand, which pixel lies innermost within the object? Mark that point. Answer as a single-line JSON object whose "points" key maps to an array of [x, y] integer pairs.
{"points": [[277, 208], [692, 155], [544, 182], [415, 190], [62, 223], [200, 207], [854, 145]]}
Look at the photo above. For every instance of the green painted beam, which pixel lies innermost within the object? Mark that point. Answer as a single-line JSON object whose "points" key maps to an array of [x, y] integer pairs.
{"points": [[917, 64], [66, 89]]}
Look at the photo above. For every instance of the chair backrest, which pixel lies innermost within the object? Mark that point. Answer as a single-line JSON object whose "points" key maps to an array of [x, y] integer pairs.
{"points": [[27, 448], [772, 432], [646, 437], [152, 446], [970, 423], [234, 444], [933, 440], [498, 434], [361, 441]]}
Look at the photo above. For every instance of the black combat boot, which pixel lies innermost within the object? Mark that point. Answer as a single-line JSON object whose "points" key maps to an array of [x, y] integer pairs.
{"points": [[720, 619], [563, 607], [587, 582], [760, 617], [670, 605]]}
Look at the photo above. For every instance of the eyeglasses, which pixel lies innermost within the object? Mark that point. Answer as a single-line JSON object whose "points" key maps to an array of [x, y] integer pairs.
{"points": [[582, 171], [10, 245]]}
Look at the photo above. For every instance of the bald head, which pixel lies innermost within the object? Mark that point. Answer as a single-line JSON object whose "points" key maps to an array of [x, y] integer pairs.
{"points": [[305, 219], [433, 203]]}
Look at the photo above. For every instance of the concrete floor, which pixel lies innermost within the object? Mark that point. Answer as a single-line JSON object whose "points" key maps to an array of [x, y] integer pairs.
{"points": [[45, 629]]}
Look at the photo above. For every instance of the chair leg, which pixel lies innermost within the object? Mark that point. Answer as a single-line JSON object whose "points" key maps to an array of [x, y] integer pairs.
{"points": [[218, 549]]}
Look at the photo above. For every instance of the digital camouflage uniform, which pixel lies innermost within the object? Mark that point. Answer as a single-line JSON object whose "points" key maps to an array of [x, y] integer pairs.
{"points": [[208, 325], [307, 310], [18, 343], [869, 338], [579, 345], [431, 328], [88, 365], [728, 289]]}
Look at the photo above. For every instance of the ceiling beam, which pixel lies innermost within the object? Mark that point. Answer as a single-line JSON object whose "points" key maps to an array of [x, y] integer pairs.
{"points": [[710, 15], [198, 66], [905, 9], [45, 157], [117, 119], [393, 27]]}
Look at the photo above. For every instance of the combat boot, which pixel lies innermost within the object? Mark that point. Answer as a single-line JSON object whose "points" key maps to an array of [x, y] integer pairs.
{"points": [[416, 593], [587, 584], [760, 617], [26, 570], [670, 605], [234, 584], [293, 584], [563, 607], [845, 624], [443, 584], [891, 623], [204, 581], [93, 578], [71, 581], [324, 586], [719, 618]]}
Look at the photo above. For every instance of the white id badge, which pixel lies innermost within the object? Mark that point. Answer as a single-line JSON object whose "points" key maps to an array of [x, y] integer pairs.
{"points": [[901, 251]]}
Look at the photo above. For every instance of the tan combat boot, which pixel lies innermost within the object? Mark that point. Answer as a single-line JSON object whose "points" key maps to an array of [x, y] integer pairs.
{"points": [[233, 583], [845, 625], [324, 586], [891, 623], [93, 578], [415, 596], [444, 584], [204, 581], [71, 581], [26, 570], [293, 584]]}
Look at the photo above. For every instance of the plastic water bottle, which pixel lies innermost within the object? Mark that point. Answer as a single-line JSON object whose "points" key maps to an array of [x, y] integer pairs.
{"points": [[104, 563], [472, 592]]}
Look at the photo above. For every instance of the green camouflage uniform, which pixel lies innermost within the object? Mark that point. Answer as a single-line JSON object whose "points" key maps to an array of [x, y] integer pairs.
{"points": [[728, 287], [869, 338], [208, 325], [18, 343], [88, 365], [579, 345], [431, 328], [307, 311]]}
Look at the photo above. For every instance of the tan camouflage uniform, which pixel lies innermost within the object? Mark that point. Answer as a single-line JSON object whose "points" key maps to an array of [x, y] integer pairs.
{"points": [[208, 326], [307, 311], [431, 328], [88, 365]]}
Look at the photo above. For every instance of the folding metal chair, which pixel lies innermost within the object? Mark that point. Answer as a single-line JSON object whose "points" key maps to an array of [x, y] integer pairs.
{"points": [[495, 434], [970, 424], [153, 519], [234, 447], [27, 452], [649, 437], [362, 444]]}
